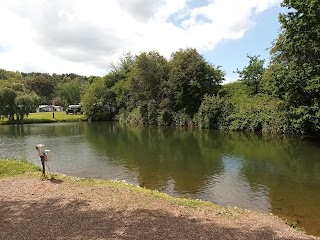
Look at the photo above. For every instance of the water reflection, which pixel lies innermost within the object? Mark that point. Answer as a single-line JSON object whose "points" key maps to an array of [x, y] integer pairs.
{"points": [[241, 193], [159, 156], [277, 174]]}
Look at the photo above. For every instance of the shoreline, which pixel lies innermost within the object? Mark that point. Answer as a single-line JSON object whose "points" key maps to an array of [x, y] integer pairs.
{"points": [[119, 210]]}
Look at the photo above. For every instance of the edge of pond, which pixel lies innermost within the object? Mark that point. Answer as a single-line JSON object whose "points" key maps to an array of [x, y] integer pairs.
{"points": [[191, 204]]}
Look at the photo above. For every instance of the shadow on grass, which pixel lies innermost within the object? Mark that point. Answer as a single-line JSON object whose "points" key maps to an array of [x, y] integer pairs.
{"points": [[57, 219]]}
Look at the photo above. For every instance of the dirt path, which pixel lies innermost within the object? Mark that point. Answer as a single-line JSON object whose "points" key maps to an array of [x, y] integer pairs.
{"points": [[61, 209]]}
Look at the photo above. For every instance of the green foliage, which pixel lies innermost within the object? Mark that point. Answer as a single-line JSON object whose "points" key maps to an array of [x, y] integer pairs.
{"points": [[165, 117], [16, 100], [146, 113], [121, 90], [274, 81], [146, 79], [7, 99], [105, 96], [12, 77], [26, 103], [304, 119], [70, 92], [150, 90], [213, 112], [252, 74], [257, 114], [41, 86], [239, 111], [138, 116], [121, 69], [296, 60], [299, 40], [98, 101], [182, 119], [120, 84], [190, 78], [299, 43]]}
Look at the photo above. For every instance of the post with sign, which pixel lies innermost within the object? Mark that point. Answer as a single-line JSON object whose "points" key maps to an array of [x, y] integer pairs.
{"points": [[43, 154]]}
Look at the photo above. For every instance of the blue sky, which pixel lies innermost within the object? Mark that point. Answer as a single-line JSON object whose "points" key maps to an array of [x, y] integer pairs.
{"points": [[232, 54], [85, 36]]}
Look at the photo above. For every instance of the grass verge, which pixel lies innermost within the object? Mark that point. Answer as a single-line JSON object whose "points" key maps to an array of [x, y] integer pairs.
{"points": [[48, 117], [10, 167]]}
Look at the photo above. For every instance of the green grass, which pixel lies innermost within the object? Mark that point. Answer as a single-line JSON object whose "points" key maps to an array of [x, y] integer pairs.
{"points": [[10, 167], [47, 117]]}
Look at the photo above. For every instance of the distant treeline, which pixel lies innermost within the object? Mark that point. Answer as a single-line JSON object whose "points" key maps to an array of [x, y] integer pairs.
{"points": [[186, 90], [21, 93]]}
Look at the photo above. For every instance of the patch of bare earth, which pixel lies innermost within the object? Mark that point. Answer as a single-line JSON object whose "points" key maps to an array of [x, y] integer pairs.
{"points": [[35, 209]]}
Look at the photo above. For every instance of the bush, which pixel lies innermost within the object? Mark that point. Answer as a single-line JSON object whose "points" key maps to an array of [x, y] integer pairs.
{"points": [[212, 112], [181, 119], [165, 117]]}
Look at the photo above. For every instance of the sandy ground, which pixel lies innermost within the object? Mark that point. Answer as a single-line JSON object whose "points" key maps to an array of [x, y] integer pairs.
{"points": [[62, 209]]}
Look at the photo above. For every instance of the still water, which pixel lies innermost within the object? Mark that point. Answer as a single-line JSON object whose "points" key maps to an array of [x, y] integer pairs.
{"points": [[263, 173]]}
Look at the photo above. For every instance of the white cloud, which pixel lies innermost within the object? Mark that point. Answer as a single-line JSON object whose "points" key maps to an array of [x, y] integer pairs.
{"points": [[82, 36]]}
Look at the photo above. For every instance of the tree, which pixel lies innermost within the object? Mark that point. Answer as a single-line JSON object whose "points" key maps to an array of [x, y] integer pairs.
{"points": [[57, 101], [121, 70], [41, 86], [98, 101], [190, 78], [212, 112], [298, 49], [70, 92], [118, 78], [10, 76], [25, 103], [149, 72], [274, 81], [252, 74], [7, 98]]}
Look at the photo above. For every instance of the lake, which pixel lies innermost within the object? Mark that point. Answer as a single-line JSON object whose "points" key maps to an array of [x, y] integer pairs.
{"points": [[276, 174]]}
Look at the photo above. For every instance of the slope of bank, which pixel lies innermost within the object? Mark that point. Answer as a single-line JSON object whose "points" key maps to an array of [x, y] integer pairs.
{"points": [[67, 208]]}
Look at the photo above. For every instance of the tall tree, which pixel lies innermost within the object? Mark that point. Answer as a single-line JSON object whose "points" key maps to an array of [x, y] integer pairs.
{"points": [[41, 86], [25, 103], [98, 102], [70, 92], [147, 76], [119, 76], [190, 78], [298, 49], [7, 102], [252, 74]]}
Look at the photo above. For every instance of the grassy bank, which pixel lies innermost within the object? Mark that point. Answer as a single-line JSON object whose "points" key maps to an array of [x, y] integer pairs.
{"points": [[13, 167], [47, 117], [119, 194], [9, 167]]}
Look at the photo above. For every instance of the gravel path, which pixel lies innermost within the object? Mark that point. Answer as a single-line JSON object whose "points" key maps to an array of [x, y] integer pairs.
{"points": [[64, 209]]}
